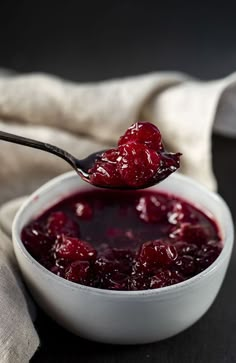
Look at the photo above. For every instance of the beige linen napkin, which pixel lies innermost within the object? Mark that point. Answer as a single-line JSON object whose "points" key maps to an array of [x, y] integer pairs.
{"points": [[18, 338], [87, 117]]}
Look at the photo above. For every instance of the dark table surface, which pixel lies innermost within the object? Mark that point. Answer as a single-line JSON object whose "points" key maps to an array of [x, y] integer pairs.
{"points": [[95, 40]]}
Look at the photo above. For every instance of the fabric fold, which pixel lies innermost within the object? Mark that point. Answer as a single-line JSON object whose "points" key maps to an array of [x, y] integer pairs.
{"points": [[18, 337]]}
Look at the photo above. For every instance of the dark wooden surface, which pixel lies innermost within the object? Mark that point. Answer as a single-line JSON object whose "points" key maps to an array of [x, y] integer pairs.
{"points": [[95, 40]]}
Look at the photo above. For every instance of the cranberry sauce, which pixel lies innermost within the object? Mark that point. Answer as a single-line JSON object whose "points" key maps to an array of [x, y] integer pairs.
{"points": [[138, 161], [123, 240]]}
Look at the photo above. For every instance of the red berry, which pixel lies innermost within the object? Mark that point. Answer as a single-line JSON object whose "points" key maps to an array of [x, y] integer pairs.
{"points": [[59, 223], [181, 213], [165, 278], [83, 210], [157, 253], [36, 241], [115, 281], [139, 282], [61, 262], [170, 162], [105, 173], [207, 254], [110, 155], [78, 271], [176, 214], [143, 133], [114, 260], [186, 265], [184, 248], [72, 248], [150, 209], [137, 164], [192, 234], [104, 266]]}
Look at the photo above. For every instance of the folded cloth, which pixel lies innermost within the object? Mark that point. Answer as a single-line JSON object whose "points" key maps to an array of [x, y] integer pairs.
{"points": [[83, 118], [18, 338]]}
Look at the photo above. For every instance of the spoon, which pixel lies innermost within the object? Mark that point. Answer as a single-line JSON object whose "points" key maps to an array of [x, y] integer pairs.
{"points": [[81, 166]]}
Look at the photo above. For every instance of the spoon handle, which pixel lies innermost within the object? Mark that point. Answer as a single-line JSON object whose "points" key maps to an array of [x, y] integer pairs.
{"points": [[41, 146]]}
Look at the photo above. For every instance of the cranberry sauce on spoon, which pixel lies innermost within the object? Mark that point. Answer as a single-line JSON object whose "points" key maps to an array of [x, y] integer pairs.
{"points": [[123, 240], [138, 161]]}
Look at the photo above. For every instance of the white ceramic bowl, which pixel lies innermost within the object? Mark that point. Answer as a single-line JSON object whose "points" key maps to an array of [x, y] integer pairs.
{"points": [[123, 317]]}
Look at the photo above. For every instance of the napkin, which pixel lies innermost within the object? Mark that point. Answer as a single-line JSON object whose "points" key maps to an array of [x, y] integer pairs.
{"points": [[83, 118]]}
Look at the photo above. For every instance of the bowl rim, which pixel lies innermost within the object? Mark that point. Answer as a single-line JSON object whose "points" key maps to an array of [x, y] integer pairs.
{"points": [[161, 292]]}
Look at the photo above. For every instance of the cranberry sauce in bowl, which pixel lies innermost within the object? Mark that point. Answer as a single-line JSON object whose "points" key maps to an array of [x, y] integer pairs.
{"points": [[123, 240]]}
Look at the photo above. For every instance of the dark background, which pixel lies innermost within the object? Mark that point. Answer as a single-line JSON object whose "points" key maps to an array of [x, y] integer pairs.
{"points": [[93, 40], [96, 40]]}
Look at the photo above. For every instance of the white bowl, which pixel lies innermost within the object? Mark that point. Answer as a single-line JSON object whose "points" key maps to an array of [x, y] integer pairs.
{"points": [[123, 317]]}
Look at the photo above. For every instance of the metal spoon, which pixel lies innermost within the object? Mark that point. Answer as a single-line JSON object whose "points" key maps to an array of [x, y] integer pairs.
{"points": [[81, 166]]}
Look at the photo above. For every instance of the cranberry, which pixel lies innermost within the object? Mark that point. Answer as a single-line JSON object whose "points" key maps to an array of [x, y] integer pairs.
{"points": [[104, 266], [137, 164], [139, 281], [184, 248], [150, 209], [212, 243], [72, 248], [207, 255], [114, 260], [165, 278], [62, 263], [83, 210], [170, 162], [193, 234], [115, 281], [35, 240], [59, 223], [157, 252], [143, 133], [78, 271], [186, 265], [176, 214], [105, 173], [111, 155]]}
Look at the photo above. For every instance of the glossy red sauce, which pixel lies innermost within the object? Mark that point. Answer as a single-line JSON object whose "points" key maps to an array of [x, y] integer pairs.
{"points": [[123, 240], [138, 161]]}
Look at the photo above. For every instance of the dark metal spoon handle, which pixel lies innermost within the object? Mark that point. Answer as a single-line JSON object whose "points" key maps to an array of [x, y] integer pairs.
{"points": [[42, 146]]}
